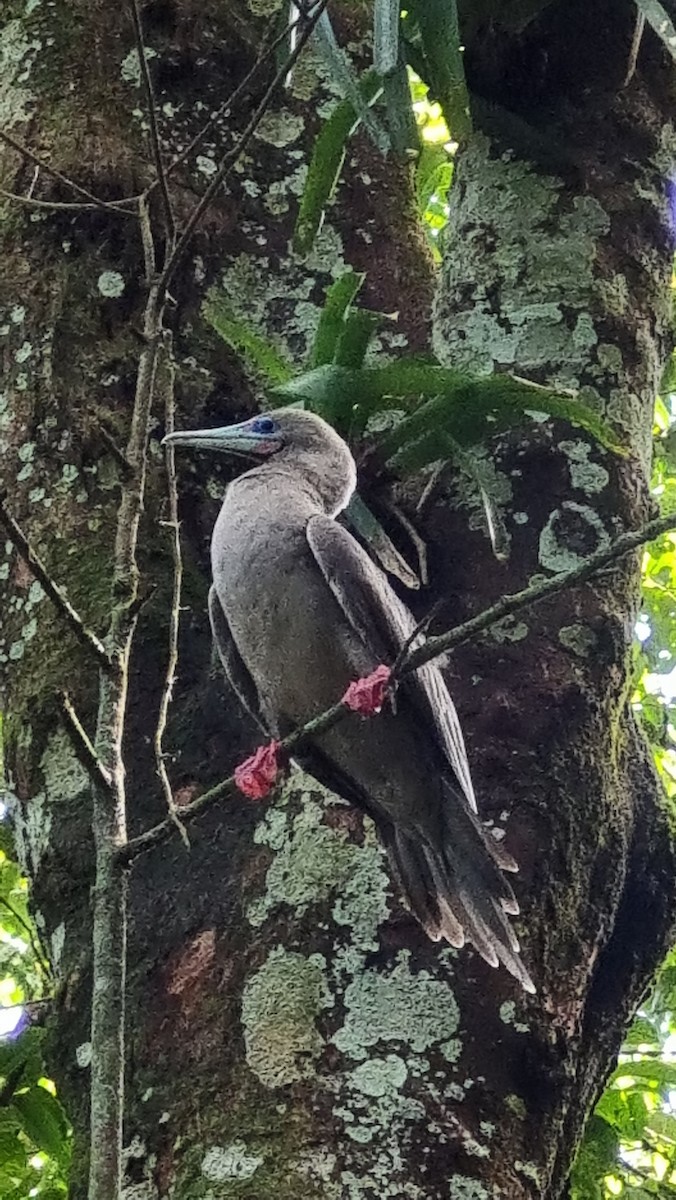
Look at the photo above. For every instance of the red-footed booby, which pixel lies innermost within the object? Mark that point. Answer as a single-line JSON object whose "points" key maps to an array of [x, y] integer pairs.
{"points": [[298, 610]]}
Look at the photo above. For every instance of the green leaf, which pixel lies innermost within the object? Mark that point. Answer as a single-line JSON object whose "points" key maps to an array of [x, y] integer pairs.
{"points": [[399, 115], [326, 163], [327, 391], [471, 409], [355, 337], [386, 35], [476, 471], [262, 357], [660, 19], [343, 75], [331, 325], [43, 1121], [381, 545], [443, 69]]}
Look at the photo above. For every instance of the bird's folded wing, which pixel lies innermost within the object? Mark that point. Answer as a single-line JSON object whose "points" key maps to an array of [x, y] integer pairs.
{"points": [[233, 664], [384, 624]]}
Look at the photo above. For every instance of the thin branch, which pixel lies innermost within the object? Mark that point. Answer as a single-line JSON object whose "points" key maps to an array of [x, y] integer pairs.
{"points": [[174, 616], [109, 206], [38, 952], [59, 206], [431, 649], [82, 744], [540, 591], [420, 547], [115, 450], [233, 155], [109, 804], [55, 593], [227, 105], [152, 119]]}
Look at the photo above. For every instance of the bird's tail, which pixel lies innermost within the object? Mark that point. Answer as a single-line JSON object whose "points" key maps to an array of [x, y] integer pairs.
{"points": [[457, 889]]}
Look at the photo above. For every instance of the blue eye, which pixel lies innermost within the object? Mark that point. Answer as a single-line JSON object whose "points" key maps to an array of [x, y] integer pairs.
{"points": [[263, 425]]}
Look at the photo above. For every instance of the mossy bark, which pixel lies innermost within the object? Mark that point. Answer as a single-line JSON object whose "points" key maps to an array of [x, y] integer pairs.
{"points": [[291, 1031]]}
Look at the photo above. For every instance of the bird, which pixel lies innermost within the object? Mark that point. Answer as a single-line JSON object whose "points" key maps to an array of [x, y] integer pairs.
{"points": [[298, 610]]}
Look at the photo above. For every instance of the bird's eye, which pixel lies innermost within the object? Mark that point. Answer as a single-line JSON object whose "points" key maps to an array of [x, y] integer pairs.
{"points": [[263, 425]]}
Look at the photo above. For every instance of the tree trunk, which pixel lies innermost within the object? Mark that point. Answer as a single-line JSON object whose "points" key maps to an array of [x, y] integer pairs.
{"points": [[291, 1031]]}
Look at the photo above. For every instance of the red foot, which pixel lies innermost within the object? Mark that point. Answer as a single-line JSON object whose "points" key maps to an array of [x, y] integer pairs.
{"points": [[256, 776], [367, 695]]}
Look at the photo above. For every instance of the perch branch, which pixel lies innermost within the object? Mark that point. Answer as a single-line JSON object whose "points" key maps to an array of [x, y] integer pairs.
{"points": [[55, 593], [431, 649]]}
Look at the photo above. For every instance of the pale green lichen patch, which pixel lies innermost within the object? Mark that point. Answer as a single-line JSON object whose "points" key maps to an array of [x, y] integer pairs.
{"points": [[375, 1105], [508, 1017], [130, 67], [586, 476], [461, 1187], [222, 1163], [528, 1169], [280, 128], [509, 630], [580, 640], [413, 1009], [17, 54], [572, 533], [110, 284], [540, 279], [280, 1005], [312, 861]]}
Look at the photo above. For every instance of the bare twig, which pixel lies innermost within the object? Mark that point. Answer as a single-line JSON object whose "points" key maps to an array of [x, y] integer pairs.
{"points": [[109, 804], [115, 450], [152, 120], [82, 744], [59, 206], [227, 105], [431, 649], [420, 547], [108, 205], [639, 29], [399, 664], [174, 617], [233, 155], [55, 593]]}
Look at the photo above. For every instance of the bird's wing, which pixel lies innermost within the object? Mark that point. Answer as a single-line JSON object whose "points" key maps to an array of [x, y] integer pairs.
{"points": [[233, 664], [384, 624]]}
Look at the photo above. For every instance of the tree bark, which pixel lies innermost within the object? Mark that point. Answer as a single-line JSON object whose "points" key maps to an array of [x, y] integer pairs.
{"points": [[291, 1030]]}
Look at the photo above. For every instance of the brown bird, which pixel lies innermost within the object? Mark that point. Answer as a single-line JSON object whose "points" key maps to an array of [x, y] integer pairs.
{"points": [[298, 610]]}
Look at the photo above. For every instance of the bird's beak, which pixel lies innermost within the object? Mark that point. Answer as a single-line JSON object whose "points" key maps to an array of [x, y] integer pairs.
{"points": [[231, 439]]}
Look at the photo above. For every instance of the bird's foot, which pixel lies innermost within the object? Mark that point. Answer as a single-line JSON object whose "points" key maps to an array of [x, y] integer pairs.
{"points": [[367, 695], [257, 775]]}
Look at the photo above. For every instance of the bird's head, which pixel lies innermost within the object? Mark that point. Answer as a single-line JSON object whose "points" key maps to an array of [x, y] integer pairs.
{"points": [[301, 442]]}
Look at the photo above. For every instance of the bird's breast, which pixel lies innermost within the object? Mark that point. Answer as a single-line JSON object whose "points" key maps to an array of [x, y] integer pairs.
{"points": [[286, 624]]}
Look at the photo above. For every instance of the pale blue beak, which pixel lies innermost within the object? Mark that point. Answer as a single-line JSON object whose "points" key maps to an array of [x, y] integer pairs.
{"points": [[232, 439]]}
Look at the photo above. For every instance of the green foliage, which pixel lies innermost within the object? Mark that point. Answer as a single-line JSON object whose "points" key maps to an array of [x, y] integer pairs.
{"points": [[35, 1136], [426, 40], [262, 358], [629, 1148], [432, 37], [326, 163]]}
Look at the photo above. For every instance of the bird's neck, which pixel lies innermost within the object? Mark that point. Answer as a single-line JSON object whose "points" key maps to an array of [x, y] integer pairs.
{"points": [[305, 492]]}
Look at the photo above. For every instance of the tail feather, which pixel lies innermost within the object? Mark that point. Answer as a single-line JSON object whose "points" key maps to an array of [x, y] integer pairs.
{"points": [[456, 888]]}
